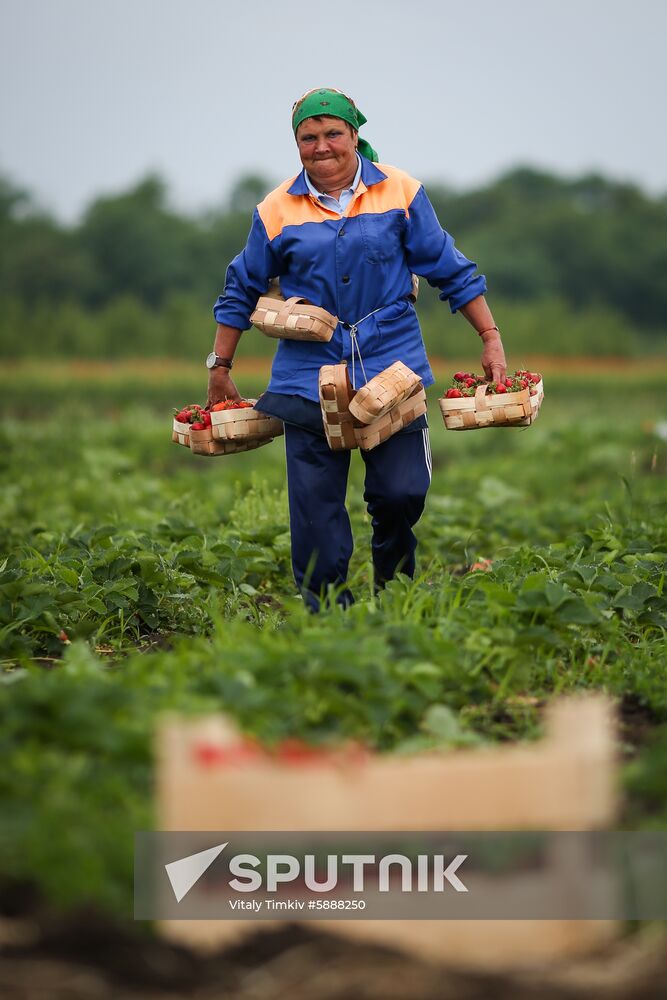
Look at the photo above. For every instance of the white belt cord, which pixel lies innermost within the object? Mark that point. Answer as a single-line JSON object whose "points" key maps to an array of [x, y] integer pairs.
{"points": [[355, 344]]}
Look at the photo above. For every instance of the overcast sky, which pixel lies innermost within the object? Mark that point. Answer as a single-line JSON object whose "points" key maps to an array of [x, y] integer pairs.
{"points": [[96, 93]]}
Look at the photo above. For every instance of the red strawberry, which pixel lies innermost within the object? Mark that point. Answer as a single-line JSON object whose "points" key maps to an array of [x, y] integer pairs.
{"points": [[199, 425], [206, 419], [460, 376], [508, 383], [453, 394], [500, 387]]}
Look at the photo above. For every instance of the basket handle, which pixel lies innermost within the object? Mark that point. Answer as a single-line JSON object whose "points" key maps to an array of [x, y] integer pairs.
{"points": [[285, 310], [480, 397]]}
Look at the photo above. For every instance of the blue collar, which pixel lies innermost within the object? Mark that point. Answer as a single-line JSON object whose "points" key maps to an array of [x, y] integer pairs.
{"points": [[370, 175]]}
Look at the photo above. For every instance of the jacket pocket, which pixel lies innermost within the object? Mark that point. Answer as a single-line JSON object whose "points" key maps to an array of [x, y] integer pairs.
{"points": [[382, 235]]}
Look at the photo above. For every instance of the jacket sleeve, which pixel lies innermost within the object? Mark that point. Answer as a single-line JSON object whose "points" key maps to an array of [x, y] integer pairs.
{"points": [[248, 277], [431, 253]]}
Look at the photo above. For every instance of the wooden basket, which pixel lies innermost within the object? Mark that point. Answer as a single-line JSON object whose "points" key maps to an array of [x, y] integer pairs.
{"points": [[203, 443], [181, 433], [535, 404], [396, 419], [383, 392], [244, 425], [292, 319], [498, 410], [336, 393]]}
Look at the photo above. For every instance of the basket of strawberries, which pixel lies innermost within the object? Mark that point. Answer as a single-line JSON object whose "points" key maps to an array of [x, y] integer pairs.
{"points": [[204, 433], [239, 421], [472, 401], [183, 421]]}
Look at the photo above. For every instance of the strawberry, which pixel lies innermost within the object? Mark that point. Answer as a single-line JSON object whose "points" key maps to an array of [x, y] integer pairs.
{"points": [[199, 425], [509, 383], [453, 394], [460, 376], [500, 387], [189, 413], [206, 419]]}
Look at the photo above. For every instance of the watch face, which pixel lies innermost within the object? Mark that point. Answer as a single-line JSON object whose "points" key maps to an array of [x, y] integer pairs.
{"points": [[210, 361]]}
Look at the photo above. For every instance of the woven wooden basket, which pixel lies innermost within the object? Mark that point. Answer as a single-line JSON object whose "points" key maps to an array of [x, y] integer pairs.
{"points": [[293, 319], [535, 404], [502, 410], [394, 420], [335, 394], [203, 443], [181, 433], [244, 425], [383, 392]]}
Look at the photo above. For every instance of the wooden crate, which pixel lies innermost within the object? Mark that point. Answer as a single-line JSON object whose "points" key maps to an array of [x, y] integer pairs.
{"points": [[565, 782]]}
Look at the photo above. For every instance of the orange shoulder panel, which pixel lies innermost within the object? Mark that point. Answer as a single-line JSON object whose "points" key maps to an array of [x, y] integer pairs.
{"points": [[280, 209], [397, 191]]}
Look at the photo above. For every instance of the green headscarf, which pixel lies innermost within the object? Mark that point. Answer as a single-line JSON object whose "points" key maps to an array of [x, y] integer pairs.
{"points": [[332, 102]]}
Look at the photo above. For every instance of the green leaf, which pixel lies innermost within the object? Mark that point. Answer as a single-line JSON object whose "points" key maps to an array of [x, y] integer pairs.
{"points": [[575, 611], [70, 577]]}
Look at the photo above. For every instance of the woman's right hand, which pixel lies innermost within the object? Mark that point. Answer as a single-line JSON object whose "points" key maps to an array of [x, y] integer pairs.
{"points": [[221, 387]]}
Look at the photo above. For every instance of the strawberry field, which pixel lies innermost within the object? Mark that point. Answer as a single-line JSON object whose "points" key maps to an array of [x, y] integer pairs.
{"points": [[137, 578]]}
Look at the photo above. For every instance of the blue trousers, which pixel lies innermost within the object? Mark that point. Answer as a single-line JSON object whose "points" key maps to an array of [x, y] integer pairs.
{"points": [[398, 475]]}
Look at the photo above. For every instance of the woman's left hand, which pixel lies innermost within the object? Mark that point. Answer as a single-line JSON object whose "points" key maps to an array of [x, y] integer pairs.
{"points": [[493, 357]]}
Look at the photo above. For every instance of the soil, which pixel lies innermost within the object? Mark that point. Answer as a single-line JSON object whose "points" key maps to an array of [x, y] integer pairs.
{"points": [[85, 956], [637, 725]]}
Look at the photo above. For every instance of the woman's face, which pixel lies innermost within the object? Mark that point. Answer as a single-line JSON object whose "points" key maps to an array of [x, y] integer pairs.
{"points": [[327, 147]]}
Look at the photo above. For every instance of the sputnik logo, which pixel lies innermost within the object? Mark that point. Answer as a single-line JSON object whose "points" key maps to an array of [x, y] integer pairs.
{"points": [[282, 868], [186, 871]]}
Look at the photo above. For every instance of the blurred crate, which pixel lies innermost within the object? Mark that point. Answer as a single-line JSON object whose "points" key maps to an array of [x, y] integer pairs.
{"points": [[565, 782]]}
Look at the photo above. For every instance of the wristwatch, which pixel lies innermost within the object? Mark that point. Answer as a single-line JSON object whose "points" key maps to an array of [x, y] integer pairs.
{"points": [[215, 361]]}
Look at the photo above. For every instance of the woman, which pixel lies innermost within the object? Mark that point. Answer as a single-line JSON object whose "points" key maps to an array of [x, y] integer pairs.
{"points": [[347, 235]]}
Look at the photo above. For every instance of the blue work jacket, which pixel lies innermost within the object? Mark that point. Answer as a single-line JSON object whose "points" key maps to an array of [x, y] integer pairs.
{"points": [[357, 265]]}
